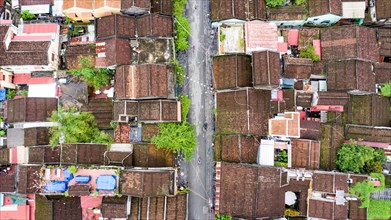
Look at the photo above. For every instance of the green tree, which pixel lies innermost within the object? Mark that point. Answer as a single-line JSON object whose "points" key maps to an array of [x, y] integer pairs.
{"points": [[76, 127], [309, 52], [180, 76], [178, 137], [364, 189], [94, 77], [274, 3], [357, 158], [26, 15], [386, 90]]}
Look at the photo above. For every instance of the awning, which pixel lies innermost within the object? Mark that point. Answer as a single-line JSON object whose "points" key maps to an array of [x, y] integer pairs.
{"points": [[37, 9]]}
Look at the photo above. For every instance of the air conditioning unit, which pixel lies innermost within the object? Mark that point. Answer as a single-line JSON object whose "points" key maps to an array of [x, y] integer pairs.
{"points": [[123, 118], [350, 181]]}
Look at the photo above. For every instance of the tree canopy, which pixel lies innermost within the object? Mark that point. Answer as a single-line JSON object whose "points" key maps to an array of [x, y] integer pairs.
{"points": [[76, 127], [364, 189], [379, 209], [94, 77], [178, 137], [360, 158]]}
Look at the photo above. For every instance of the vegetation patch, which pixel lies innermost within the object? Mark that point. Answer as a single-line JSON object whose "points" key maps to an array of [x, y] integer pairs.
{"points": [[26, 15], [179, 72], [177, 137], [182, 25], [360, 158], [386, 90], [274, 3], [222, 217], [379, 209], [309, 52], [76, 127], [364, 189], [94, 77]]}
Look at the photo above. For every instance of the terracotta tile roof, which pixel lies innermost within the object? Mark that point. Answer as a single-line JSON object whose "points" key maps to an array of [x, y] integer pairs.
{"points": [[153, 110], [154, 25], [384, 35], [116, 26], [257, 39], [310, 130], [368, 133], [67, 208], [266, 68], [326, 210], [83, 153], [287, 126], [369, 109], [305, 154], [25, 53], [39, 109], [79, 190], [383, 9], [74, 53], [147, 155], [350, 75], [297, 68], [121, 133], [28, 136], [333, 98], [231, 71], [287, 13], [142, 183], [145, 81], [7, 182], [136, 3], [243, 111], [161, 6], [321, 7], [383, 72], [114, 207], [257, 189], [173, 207], [248, 10], [28, 179], [349, 42], [236, 148]]}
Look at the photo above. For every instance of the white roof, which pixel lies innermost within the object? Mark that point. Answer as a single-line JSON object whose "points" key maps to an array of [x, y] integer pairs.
{"points": [[353, 9], [266, 153], [37, 9], [42, 90]]}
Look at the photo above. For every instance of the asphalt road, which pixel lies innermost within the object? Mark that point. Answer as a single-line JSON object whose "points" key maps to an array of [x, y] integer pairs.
{"points": [[198, 85]]}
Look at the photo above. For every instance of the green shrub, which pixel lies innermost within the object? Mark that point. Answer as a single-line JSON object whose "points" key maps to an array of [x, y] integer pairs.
{"points": [[180, 72], [185, 106], [26, 15], [364, 189], [386, 90], [222, 217], [309, 52], [274, 3], [182, 26], [94, 77], [72, 169], [379, 209], [11, 93]]}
